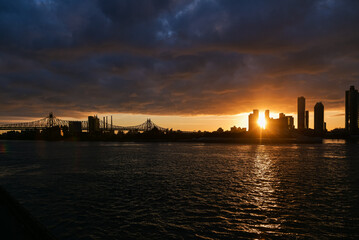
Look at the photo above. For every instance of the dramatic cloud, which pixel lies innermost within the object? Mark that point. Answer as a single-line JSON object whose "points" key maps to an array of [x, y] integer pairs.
{"points": [[175, 57]]}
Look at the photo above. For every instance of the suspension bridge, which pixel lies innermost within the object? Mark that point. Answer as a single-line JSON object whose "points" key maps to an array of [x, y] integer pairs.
{"points": [[52, 121]]}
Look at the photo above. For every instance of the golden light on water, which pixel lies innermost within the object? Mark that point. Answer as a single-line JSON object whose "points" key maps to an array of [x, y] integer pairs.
{"points": [[262, 121]]}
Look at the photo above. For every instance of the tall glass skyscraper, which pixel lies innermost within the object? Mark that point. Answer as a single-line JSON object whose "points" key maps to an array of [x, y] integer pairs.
{"points": [[352, 110], [319, 117], [301, 113]]}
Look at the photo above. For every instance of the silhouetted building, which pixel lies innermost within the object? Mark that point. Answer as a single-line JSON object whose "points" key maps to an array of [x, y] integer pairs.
{"points": [[307, 119], [266, 115], [93, 124], [319, 117], [286, 122], [290, 122], [253, 120], [235, 129], [352, 110], [281, 124], [52, 133], [75, 127], [301, 113]]}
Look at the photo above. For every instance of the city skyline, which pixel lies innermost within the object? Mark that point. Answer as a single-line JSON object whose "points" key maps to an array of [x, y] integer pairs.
{"points": [[223, 121], [260, 119], [193, 65]]}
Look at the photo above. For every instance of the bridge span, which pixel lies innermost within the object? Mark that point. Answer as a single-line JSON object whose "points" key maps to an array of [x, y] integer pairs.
{"points": [[52, 121]]}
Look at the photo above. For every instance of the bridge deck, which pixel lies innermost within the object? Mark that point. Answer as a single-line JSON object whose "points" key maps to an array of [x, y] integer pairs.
{"points": [[51, 121]]}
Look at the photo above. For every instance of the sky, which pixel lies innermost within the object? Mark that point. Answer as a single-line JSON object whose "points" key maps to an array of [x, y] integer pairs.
{"points": [[190, 65]]}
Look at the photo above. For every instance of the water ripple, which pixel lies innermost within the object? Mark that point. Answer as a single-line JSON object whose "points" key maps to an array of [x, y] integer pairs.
{"points": [[186, 191]]}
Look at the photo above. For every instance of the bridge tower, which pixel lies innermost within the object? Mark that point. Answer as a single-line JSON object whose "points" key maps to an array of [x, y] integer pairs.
{"points": [[148, 124], [51, 118]]}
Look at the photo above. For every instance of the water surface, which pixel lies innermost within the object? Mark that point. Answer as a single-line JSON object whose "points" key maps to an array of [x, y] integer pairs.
{"points": [[92, 190]]}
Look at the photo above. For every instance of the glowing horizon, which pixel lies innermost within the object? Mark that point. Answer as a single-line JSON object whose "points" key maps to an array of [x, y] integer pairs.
{"points": [[334, 119]]}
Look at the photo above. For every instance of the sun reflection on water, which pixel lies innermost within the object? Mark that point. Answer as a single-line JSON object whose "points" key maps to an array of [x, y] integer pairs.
{"points": [[262, 193]]}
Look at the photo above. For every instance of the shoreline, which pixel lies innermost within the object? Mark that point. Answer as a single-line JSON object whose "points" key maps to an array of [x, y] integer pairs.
{"points": [[284, 140]]}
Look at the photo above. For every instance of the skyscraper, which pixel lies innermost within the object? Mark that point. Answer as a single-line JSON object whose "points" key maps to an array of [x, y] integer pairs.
{"points": [[252, 120], [281, 124], [301, 113], [266, 115], [352, 110], [93, 124], [319, 117], [307, 119]]}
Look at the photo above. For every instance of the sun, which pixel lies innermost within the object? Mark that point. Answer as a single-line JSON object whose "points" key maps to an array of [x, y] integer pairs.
{"points": [[262, 121]]}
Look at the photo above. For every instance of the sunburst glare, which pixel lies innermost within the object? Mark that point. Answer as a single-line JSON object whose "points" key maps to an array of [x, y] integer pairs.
{"points": [[262, 121]]}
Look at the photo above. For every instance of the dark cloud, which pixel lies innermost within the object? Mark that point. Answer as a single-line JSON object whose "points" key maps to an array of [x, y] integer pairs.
{"points": [[175, 57]]}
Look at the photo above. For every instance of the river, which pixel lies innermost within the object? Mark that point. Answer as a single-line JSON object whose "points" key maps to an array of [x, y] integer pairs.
{"points": [[109, 190]]}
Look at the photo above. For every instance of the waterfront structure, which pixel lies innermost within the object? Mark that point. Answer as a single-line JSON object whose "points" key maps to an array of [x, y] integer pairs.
{"points": [[93, 124], [319, 117], [235, 129], [301, 113], [352, 110], [253, 120], [75, 127], [281, 124], [289, 121]]}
